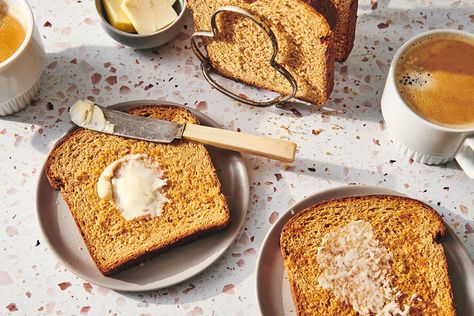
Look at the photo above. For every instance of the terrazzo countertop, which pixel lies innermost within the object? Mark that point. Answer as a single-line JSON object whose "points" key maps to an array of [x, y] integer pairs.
{"points": [[344, 144]]}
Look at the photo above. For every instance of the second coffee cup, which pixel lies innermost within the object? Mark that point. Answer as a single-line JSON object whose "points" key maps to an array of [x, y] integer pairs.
{"points": [[428, 100]]}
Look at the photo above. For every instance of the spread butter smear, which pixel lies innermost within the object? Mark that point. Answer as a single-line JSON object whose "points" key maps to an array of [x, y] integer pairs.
{"points": [[135, 185], [357, 268]]}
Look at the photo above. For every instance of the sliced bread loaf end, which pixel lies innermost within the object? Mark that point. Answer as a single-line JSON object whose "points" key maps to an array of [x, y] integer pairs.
{"points": [[242, 51], [342, 17]]}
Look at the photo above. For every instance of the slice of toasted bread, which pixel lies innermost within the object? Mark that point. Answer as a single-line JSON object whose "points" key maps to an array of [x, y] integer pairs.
{"points": [[242, 51], [342, 17], [197, 205], [407, 228]]}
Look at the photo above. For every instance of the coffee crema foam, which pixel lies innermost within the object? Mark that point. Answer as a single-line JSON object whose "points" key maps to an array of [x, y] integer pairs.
{"points": [[12, 33], [435, 77]]}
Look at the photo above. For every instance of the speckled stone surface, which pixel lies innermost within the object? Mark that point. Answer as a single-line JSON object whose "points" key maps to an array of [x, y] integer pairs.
{"points": [[343, 145]]}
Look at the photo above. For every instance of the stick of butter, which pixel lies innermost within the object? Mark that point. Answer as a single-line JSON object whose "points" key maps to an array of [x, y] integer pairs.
{"points": [[149, 16], [117, 17]]}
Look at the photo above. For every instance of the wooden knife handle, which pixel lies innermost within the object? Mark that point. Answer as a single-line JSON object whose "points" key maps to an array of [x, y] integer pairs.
{"points": [[253, 144]]}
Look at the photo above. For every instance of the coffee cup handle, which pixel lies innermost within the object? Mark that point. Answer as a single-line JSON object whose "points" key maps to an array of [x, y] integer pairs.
{"points": [[465, 156]]}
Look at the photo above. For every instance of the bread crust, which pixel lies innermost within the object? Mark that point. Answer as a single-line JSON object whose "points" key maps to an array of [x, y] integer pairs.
{"points": [[127, 261], [433, 213], [435, 217], [349, 43], [332, 10], [151, 253]]}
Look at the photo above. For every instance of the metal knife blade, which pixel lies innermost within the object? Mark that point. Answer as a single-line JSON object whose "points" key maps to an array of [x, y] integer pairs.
{"points": [[143, 128], [89, 115]]}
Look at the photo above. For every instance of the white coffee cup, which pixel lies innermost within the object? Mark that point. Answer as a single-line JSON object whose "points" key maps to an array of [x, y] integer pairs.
{"points": [[418, 138], [20, 73]]}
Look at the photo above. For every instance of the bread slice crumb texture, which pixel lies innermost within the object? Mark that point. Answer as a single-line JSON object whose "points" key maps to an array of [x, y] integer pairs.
{"points": [[242, 51], [196, 204], [407, 228]]}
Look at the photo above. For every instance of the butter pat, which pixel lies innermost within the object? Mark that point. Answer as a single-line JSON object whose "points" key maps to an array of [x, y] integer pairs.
{"points": [[86, 114], [117, 17], [135, 185], [149, 16]]}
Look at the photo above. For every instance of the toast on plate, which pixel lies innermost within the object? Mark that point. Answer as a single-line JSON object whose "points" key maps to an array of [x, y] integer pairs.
{"points": [[367, 255], [196, 205]]}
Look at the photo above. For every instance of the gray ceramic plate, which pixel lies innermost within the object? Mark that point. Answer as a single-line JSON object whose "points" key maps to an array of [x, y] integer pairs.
{"points": [[273, 288], [172, 267]]}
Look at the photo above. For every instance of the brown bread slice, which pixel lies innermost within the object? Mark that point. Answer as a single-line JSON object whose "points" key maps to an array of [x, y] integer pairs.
{"points": [[342, 17], [242, 51], [197, 205], [409, 229]]}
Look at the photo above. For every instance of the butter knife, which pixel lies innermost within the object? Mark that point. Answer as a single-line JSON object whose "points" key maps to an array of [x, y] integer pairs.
{"points": [[92, 116]]}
